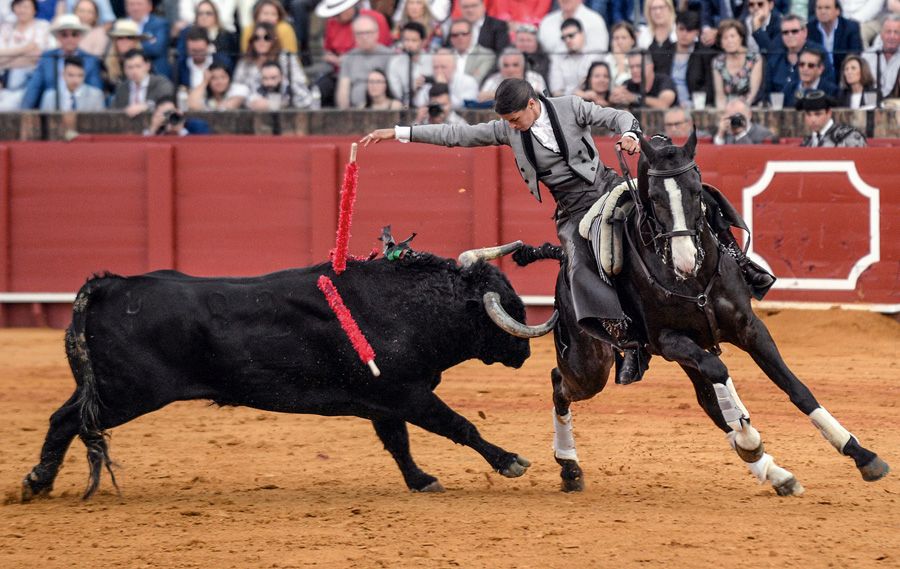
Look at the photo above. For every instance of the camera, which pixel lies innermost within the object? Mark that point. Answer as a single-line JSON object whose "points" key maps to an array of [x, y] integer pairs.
{"points": [[173, 117], [738, 120], [435, 110]]}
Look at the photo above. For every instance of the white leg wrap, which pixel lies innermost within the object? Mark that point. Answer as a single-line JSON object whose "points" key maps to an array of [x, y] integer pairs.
{"points": [[731, 405], [563, 440], [765, 469], [747, 438], [833, 432]]}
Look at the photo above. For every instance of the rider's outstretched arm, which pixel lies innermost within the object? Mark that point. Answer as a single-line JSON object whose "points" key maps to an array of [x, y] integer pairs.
{"points": [[491, 133]]}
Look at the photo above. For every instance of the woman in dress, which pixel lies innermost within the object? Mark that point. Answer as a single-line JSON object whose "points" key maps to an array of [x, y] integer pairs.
{"points": [[378, 95], [596, 85], [737, 72]]}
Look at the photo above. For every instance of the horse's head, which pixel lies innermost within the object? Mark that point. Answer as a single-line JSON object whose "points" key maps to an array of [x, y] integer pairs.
{"points": [[669, 182]]}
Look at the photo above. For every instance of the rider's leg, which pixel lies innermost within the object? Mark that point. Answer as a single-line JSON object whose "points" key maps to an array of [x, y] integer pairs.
{"points": [[758, 279]]}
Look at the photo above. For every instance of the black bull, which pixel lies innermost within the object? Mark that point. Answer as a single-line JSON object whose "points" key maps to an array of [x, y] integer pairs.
{"points": [[271, 342]]}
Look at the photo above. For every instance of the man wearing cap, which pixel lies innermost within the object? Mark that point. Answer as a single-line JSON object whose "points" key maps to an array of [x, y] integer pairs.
{"points": [[823, 131], [49, 73]]}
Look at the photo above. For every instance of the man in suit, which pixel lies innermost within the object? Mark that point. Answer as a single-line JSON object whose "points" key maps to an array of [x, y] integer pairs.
{"points": [[839, 35], [489, 32], [691, 69], [68, 31], [77, 96], [472, 58], [823, 131], [568, 70], [782, 59], [157, 47], [764, 23], [737, 127], [141, 91], [808, 76]]}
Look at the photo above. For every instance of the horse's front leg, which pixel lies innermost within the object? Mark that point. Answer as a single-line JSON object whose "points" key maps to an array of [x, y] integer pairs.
{"points": [[725, 408], [756, 340]]}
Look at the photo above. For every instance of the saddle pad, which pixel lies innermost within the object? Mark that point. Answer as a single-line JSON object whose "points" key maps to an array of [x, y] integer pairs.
{"points": [[599, 226]]}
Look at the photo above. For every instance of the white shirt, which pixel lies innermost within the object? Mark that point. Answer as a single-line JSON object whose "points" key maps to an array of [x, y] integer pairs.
{"points": [[542, 130], [596, 36], [196, 71], [568, 72], [818, 137]]}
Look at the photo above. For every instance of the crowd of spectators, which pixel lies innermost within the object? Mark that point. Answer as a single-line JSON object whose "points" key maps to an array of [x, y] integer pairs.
{"points": [[438, 56]]}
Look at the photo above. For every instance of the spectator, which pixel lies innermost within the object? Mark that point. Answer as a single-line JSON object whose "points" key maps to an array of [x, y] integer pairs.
{"points": [[856, 81], [782, 60], [167, 120], [512, 66], [95, 41], [597, 84], [882, 57], [624, 39], [223, 40], [21, 45], [266, 48], [596, 34], [338, 38], [199, 54], [737, 127], [526, 41], [412, 38], [472, 58], [77, 96], [366, 56], [461, 87], [274, 92], [216, 92], [658, 35], [837, 34], [142, 90], [439, 109], [654, 91], [68, 31], [823, 131], [420, 12], [125, 37], [439, 10], [867, 13], [518, 12], [567, 72], [223, 11], [691, 70], [156, 48], [808, 77], [378, 93], [678, 122], [737, 72], [764, 23], [271, 12], [712, 12], [105, 15], [489, 32]]}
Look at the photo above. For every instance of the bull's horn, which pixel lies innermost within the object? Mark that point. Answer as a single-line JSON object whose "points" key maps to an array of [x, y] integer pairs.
{"points": [[467, 258], [509, 324]]}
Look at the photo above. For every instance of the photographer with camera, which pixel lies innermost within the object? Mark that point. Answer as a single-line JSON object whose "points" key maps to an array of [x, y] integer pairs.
{"points": [[439, 109], [735, 126], [167, 120]]}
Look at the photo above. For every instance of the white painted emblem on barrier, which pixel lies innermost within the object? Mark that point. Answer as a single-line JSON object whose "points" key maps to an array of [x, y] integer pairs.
{"points": [[817, 166]]}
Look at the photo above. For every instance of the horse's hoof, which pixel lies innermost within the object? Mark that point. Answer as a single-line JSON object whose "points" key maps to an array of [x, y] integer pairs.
{"points": [[29, 492], [572, 485], [875, 470], [435, 487], [518, 467], [790, 487]]}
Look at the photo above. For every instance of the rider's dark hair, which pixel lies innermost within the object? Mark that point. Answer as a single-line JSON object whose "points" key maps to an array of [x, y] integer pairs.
{"points": [[512, 96]]}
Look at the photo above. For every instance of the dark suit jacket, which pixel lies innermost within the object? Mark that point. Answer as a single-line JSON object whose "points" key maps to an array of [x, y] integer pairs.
{"points": [[792, 88], [157, 47], [494, 34], [159, 87], [699, 72], [45, 76], [770, 36], [779, 71], [847, 39]]}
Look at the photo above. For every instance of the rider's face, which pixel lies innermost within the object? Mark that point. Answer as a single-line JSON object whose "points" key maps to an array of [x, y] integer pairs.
{"points": [[522, 120]]}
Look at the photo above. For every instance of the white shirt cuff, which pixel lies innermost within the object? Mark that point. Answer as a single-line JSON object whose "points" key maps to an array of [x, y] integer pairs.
{"points": [[631, 135], [402, 133]]}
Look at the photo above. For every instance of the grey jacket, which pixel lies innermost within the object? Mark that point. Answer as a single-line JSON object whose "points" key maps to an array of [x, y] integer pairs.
{"points": [[571, 118]]}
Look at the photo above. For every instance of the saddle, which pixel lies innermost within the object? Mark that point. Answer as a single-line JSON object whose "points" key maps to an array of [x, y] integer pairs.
{"points": [[603, 226]]}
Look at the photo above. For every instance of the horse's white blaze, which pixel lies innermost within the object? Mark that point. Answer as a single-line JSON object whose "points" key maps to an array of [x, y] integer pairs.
{"points": [[563, 439], [684, 253], [833, 431]]}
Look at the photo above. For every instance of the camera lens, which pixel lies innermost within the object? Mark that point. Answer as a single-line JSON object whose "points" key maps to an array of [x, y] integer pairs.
{"points": [[435, 111], [174, 117], [738, 121]]}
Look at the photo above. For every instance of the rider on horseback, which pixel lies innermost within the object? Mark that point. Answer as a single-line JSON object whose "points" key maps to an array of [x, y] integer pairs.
{"points": [[552, 142]]}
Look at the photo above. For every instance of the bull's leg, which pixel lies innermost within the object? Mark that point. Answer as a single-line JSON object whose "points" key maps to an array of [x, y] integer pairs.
{"points": [[64, 425], [563, 437], [744, 437], [757, 341], [426, 410], [395, 437]]}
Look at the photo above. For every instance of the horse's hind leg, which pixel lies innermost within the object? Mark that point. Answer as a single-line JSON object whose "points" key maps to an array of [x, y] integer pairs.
{"points": [[563, 438], [64, 425], [757, 341], [756, 458], [394, 435]]}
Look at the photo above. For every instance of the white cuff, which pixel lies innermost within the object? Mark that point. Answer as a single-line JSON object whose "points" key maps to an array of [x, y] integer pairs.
{"points": [[403, 133], [631, 134]]}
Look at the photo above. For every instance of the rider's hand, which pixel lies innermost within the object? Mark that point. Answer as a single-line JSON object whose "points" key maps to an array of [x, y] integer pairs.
{"points": [[629, 144], [377, 136]]}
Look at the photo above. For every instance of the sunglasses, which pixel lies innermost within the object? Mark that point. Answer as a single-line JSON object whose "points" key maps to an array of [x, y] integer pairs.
{"points": [[807, 64], [790, 32], [569, 36], [266, 37]]}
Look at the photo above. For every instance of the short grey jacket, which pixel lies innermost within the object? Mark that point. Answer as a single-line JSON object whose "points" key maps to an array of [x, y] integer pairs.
{"points": [[571, 118]]}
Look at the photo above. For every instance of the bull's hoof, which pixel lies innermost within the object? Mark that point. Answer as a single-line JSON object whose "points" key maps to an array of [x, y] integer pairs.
{"points": [[790, 487], [435, 487], [518, 467], [875, 470]]}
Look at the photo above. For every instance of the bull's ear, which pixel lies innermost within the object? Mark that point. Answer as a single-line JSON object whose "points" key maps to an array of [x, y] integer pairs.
{"points": [[691, 145]]}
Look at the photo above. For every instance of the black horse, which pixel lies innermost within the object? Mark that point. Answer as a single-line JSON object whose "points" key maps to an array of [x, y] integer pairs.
{"points": [[686, 294]]}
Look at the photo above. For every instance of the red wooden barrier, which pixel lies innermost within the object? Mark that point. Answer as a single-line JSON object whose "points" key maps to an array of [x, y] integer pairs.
{"points": [[241, 206]]}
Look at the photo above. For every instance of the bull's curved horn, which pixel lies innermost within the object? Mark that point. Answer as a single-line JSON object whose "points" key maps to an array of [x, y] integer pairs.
{"points": [[512, 326], [467, 258]]}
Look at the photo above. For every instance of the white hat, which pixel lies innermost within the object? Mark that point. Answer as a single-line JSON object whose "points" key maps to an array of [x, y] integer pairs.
{"points": [[329, 8], [68, 22], [126, 28]]}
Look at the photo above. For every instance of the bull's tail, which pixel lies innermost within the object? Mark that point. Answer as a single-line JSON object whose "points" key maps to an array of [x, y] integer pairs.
{"points": [[90, 431], [527, 254]]}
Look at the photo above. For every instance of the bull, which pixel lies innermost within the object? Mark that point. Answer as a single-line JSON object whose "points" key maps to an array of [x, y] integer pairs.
{"points": [[271, 342]]}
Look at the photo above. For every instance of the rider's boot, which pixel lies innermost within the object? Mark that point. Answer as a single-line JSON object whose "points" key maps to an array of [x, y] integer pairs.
{"points": [[635, 359], [757, 278]]}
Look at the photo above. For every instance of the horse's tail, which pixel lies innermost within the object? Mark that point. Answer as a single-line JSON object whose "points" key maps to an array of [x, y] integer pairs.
{"points": [[90, 432], [528, 254]]}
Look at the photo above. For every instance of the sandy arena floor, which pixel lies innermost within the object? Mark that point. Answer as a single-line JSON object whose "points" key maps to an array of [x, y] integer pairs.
{"points": [[218, 488]]}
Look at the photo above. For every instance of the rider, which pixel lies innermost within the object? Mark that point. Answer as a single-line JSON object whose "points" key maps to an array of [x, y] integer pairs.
{"points": [[552, 142]]}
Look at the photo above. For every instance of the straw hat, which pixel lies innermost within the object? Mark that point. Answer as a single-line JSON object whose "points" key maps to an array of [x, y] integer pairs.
{"points": [[329, 8], [68, 22], [126, 28]]}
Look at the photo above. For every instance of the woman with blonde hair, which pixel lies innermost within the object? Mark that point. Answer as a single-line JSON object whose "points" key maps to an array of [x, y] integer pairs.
{"points": [[419, 11], [266, 47], [737, 72], [271, 12], [658, 35]]}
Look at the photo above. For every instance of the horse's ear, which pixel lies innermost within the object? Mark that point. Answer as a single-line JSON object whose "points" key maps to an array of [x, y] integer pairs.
{"points": [[646, 149], [691, 145]]}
